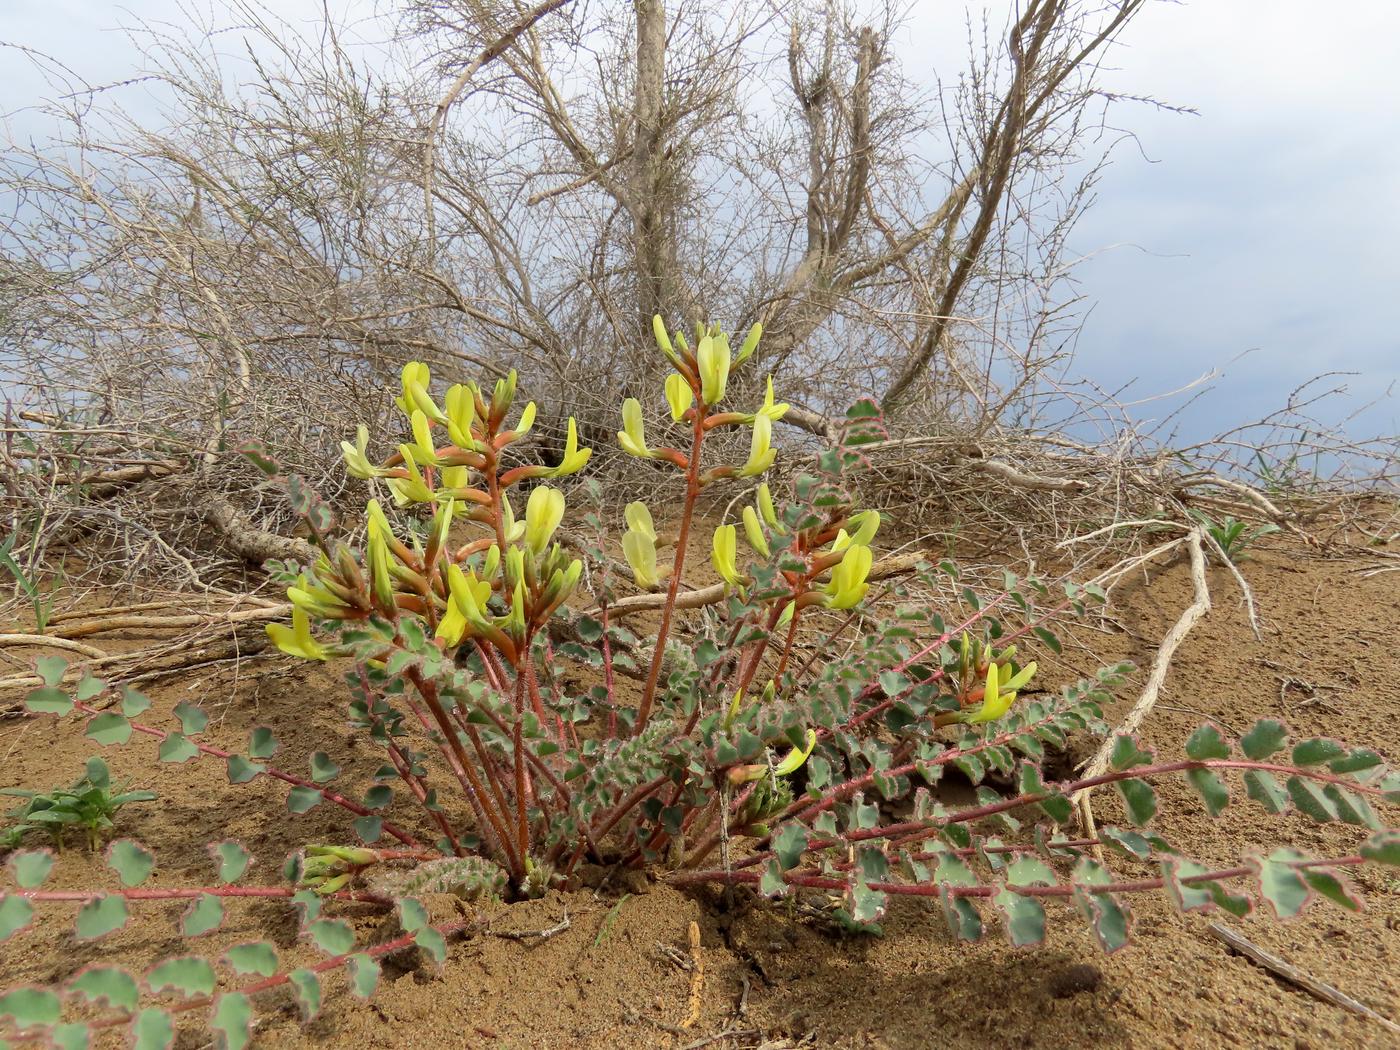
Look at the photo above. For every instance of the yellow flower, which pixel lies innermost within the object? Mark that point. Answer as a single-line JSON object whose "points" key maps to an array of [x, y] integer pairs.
{"points": [[543, 512], [663, 341], [512, 529], [639, 549], [453, 625], [296, 640], [574, 457], [424, 451], [713, 356], [357, 462], [761, 450], [678, 395], [316, 601], [766, 510], [469, 595], [461, 414], [750, 345], [793, 762], [639, 520], [849, 579], [998, 696], [724, 555], [753, 531], [412, 489], [503, 395], [867, 523], [632, 437], [775, 412], [527, 420], [415, 379]]}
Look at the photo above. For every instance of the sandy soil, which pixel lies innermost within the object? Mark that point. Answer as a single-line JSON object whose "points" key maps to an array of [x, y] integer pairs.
{"points": [[1327, 666]]}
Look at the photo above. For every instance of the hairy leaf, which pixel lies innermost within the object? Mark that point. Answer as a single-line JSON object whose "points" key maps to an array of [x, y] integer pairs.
{"points": [[206, 913], [132, 863], [306, 989], [107, 984], [188, 975], [31, 1007], [231, 860], [30, 868], [100, 916], [232, 1021], [1264, 738], [257, 957], [152, 1029]]}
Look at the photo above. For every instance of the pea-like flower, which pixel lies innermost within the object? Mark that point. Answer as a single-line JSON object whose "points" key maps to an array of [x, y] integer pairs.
{"points": [[639, 546], [461, 415], [415, 378], [543, 512], [998, 696], [357, 462], [724, 555], [849, 579], [761, 450], [866, 522], [663, 341], [713, 356], [764, 500], [774, 411], [574, 457], [412, 489], [678, 395], [750, 345], [296, 640], [424, 451], [632, 437], [753, 532], [798, 755]]}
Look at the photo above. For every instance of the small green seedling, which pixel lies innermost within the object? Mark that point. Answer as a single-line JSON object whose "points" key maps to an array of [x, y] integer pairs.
{"points": [[90, 803], [41, 601], [1234, 536]]}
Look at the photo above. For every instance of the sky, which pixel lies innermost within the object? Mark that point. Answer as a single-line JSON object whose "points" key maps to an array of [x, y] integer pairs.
{"points": [[1256, 237]]}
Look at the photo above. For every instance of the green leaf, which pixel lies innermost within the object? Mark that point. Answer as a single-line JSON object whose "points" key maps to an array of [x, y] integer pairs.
{"points": [[302, 798], [331, 935], [1330, 885], [49, 700], [1383, 848], [1128, 843], [16, 913], [31, 1007], [323, 769], [1024, 917], [30, 868], [1280, 883], [1261, 786], [1186, 896], [1213, 793], [257, 957], [132, 863], [51, 669], [364, 975], [188, 975], [1027, 870], [240, 770], [370, 829], [1126, 754], [772, 884], [192, 718], [1264, 738], [1054, 804], [412, 915], [432, 943], [1309, 797], [789, 844], [1140, 800], [107, 984], [152, 1030], [175, 748], [232, 1020], [1106, 914], [231, 860], [202, 916], [262, 744], [1207, 742], [1356, 761], [134, 702], [306, 989], [1316, 751], [69, 1037], [99, 917], [109, 728], [1352, 808], [1051, 642]]}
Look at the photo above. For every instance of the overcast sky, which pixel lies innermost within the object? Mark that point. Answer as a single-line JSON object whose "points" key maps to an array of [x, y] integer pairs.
{"points": [[1268, 224]]}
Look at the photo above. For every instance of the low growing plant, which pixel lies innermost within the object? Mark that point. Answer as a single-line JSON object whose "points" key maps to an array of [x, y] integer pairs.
{"points": [[527, 730], [1233, 536], [88, 805]]}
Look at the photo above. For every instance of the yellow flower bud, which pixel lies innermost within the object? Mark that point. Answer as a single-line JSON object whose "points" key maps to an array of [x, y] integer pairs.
{"points": [[775, 412], [753, 532], [663, 341], [527, 420], [639, 549], [424, 450], [793, 762], [639, 520], [750, 344], [766, 509]]}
